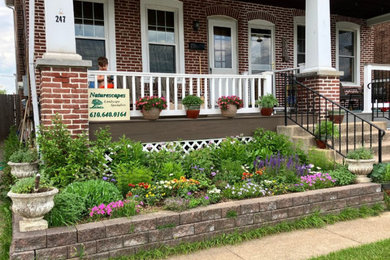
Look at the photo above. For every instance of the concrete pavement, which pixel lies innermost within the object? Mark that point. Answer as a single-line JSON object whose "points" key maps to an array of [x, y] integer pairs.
{"points": [[302, 244]]}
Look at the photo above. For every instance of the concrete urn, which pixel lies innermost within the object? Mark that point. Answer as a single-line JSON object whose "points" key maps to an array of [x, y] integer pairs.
{"points": [[32, 207], [23, 170], [361, 168]]}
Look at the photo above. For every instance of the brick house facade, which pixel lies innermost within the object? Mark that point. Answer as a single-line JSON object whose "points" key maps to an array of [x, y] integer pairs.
{"points": [[382, 43]]}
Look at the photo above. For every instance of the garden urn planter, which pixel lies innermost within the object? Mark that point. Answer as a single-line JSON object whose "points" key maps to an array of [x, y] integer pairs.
{"points": [[230, 112], [193, 111], [32, 207], [361, 168], [266, 111], [23, 170], [151, 114]]}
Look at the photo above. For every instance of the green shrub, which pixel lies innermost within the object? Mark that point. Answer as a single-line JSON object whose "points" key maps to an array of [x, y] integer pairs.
{"points": [[169, 171], [202, 158], [156, 160], [361, 154], [27, 185], [68, 209], [126, 150], [95, 192], [24, 156], [342, 176], [326, 129], [129, 173], [192, 100], [11, 144], [68, 159], [230, 149], [319, 160], [267, 101], [231, 172], [381, 173]]}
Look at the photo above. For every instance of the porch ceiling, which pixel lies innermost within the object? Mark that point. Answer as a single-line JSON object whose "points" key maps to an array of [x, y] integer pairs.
{"points": [[365, 9]]}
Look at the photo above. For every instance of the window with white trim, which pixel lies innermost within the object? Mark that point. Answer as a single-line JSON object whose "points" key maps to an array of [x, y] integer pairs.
{"points": [[162, 36], [348, 51], [299, 40]]}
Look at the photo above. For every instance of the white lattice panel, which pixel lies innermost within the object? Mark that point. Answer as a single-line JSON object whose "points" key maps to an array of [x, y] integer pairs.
{"points": [[188, 145]]}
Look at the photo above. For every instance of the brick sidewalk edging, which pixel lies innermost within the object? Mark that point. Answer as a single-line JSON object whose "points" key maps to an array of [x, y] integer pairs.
{"points": [[126, 236]]}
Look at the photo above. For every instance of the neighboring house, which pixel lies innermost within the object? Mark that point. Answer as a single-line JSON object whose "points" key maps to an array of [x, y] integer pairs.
{"points": [[196, 37]]}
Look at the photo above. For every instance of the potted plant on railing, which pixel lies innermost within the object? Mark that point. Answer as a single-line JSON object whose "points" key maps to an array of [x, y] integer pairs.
{"points": [[361, 162], [24, 163], [324, 131], [336, 116], [229, 105], [151, 106], [32, 198], [192, 104], [267, 104]]}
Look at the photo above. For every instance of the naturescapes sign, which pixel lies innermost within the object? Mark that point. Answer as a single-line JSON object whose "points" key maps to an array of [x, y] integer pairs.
{"points": [[108, 104]]}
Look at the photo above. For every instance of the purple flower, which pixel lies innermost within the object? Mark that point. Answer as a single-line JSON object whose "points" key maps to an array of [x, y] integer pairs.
{"points": [[213, 174], [113, 180], [189, 193], [206, 197], [105, 178]]}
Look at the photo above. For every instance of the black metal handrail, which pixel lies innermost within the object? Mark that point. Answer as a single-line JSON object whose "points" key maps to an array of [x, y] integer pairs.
{"points": [[309, 109]]}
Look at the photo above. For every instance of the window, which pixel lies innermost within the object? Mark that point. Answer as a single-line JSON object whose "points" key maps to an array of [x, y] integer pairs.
{"points": [[91, 31], [299, 41], [261, 46], [348, 52], [162, 36], [222, 47]]}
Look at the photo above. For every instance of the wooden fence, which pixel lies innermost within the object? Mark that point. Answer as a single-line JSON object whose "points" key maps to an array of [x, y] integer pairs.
{"points": [[9, 113]]}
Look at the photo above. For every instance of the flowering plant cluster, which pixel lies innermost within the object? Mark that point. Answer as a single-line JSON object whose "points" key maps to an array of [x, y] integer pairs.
{"points": [[224, 101], [316, 180], [246, 189], [116, 209], [149, 102]]}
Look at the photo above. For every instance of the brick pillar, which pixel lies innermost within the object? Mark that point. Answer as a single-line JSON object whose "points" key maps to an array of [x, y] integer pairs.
{"points": [[64, 91], [326, 83]]}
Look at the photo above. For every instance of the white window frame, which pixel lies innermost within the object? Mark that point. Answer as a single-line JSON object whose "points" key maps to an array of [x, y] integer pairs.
{"points": [[352, 27], [176, 7], [109, 31], [261, 24], [298, 21]]}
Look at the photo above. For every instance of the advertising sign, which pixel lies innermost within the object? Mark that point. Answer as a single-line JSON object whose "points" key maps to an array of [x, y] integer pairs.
{"points": [[108, 104]]}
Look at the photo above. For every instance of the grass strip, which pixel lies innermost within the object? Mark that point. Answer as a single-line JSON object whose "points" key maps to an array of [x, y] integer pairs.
{"points": [[315, 220], [378, 250], [5, 229]]}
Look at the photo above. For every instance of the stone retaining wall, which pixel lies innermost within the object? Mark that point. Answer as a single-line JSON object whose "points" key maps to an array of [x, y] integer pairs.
{"points": [[125, 236]]}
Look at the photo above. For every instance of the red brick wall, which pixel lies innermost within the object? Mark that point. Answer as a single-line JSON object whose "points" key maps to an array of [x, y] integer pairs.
{"points": [[382, 43]]}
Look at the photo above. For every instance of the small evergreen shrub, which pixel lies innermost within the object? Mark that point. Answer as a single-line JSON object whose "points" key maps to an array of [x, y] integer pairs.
{"points": [[127, 173]]}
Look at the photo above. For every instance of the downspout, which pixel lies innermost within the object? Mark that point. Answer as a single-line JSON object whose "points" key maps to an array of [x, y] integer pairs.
{"points": [[31, 52], [15, 44]]}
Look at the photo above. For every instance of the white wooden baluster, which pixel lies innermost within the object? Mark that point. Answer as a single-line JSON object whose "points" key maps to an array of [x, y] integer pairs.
{"points": [[142, 86], [105, 81], [151, 86], [219, 88], [167, 93], [240, 87], [96, 82], [134, 93], [198, 87], [205, 94], [233, 86], [159, 86], [191, 85], [258, 88], [253, 92], [175, 92], [183, 89], [246, 101], [212, 90]]}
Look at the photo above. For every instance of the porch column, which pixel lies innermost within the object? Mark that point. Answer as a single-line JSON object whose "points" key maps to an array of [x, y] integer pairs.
{"points": [[318, 41], [63, 74]]}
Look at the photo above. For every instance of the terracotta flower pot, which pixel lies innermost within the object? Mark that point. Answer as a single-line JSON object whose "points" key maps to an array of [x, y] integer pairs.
{"points": [[321, 143], [337, 119], [230, 112], [193, 111], [151, 114], [266, 111]]}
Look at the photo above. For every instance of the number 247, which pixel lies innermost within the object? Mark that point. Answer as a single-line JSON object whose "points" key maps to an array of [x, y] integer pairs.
{"points": [[60, 19]]}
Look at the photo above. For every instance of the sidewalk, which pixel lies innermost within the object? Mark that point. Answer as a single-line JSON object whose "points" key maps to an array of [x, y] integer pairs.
{"points": [[302, 244]]}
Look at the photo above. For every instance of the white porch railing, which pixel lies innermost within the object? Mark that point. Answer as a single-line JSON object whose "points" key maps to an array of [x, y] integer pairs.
{"points": [[174, 87], [368, 78]]}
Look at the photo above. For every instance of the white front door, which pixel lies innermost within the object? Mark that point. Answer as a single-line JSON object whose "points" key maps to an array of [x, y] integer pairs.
{"points": [[222, 46]]}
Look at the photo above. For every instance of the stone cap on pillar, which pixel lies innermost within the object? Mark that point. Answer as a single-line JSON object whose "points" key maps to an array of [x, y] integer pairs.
{"points": [[63, 62], [320, 73]]}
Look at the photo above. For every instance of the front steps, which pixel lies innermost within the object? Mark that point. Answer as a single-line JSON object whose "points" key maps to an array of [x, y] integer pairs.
{"points": [[301, 137]]}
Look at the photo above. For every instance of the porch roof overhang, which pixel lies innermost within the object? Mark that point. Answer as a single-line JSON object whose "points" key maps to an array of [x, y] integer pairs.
{"points": [[375, 11]]}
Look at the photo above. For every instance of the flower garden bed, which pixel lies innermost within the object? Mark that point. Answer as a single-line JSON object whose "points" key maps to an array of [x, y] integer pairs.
{"points": [[126, 236]]}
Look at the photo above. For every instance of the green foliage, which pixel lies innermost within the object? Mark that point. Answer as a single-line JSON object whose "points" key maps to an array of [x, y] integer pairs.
{"points": [[68, 159], [27, 185], [361, 153], [267, 101], [11, 144], [5, 229], [128, 173], [126, 150], [197, 202], [24, 156], [231, 214], [319, 160], [381, 173], [201, 158], [326, 129], [266, 143], [68, 209], [192, 100], [169, 171], [312, 221], [231, 172], [230, 149], [342, 176], [95, 192]]}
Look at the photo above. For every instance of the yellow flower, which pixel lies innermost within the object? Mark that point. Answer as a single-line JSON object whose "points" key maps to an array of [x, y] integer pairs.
{"points": [[147, 195]]}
